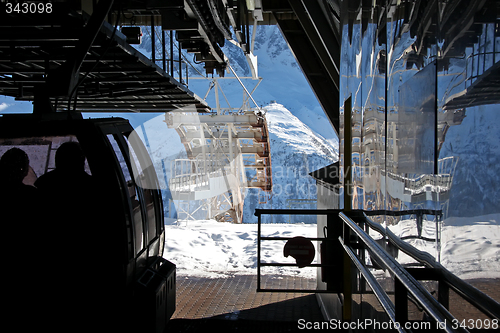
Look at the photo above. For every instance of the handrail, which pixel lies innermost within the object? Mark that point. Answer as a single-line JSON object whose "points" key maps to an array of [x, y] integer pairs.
{"points": [[476, 297], [379, 292], [416, 254], [259, 211], [432, 306], [403, 212], [421, 295]]}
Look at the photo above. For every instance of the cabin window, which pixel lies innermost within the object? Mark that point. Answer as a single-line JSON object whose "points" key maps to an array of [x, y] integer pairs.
{"points": [[133, 194], [137, 161], [41, 152]]}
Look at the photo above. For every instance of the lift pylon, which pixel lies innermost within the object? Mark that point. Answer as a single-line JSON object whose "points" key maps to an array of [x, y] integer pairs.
{"points": [[226, 155]]}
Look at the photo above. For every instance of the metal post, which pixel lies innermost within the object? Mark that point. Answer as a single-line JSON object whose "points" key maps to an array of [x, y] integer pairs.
{"points": [[153, 46], [231, 152], [438, 237], [203, 149], [485, 29], [400, 302], [180, 63], [347, 155], [216, 90], [254, 33], [171, 53], [444, 294], [420, 223], [258, 249], [494, 47], [347, 283], [163, 51]]}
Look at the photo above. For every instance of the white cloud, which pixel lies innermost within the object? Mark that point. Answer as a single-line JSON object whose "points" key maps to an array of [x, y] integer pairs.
{"points": [[4, 106]]}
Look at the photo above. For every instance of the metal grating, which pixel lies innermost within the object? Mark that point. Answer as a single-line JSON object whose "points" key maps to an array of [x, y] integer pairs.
{"points": [[37, 51]]}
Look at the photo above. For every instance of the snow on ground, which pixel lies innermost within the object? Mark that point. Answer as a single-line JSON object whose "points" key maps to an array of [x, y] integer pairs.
{"points": [[207, 248], [470, 247], [472, 250]]}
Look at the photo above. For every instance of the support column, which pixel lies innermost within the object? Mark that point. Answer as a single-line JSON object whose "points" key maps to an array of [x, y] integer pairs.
{"points": [[347, 304]]}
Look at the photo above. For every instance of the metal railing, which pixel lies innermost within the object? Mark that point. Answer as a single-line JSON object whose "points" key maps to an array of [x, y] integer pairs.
{"points": [[193, 175], [355, 240], [260, 264], [410, 285], [480, 300]]}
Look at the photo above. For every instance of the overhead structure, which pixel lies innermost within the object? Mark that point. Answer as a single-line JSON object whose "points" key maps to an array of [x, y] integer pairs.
{"points": [[77, 57], [66, 55], [72, 58], [311, 29]]}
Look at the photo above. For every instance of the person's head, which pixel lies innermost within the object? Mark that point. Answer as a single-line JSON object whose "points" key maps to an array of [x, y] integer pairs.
{"points": [[14, 165], [69, 156]]}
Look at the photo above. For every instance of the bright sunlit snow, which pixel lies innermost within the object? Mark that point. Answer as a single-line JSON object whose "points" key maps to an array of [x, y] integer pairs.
{"points": [[207, 248], [470, 246]]}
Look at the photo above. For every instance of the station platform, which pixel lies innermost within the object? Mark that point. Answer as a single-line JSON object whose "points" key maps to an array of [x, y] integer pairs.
{"points": [[232, 304], [463, 310]]}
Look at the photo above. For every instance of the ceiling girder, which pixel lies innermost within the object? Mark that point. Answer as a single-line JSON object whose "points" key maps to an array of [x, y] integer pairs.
{"points": [[314, 43]]}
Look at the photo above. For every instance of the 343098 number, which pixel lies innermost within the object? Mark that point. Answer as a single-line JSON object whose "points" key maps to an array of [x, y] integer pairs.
{"points": [[476, 324], [29, 7]]}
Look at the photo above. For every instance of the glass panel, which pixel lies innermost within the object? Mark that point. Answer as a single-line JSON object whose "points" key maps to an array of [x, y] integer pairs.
{"points": [[416, 123], [411, 107], [469, 158], [41, 152], [134, 195], [424, 109], [373, 68], [22, 162], [148, 193], [350, 86]]}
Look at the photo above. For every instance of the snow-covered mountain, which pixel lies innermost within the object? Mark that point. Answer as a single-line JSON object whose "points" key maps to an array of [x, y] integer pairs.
{"points": [[475, 141], [302, 139], [296, 150], [284, 82]]}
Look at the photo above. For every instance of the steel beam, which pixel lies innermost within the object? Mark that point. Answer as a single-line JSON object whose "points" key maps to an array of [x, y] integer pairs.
{"points": [[64, 80], [317, 52], [324, 40]]}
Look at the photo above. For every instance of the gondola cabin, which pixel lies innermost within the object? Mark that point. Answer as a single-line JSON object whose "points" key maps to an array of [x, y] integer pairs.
{"points": [[84, 252]]}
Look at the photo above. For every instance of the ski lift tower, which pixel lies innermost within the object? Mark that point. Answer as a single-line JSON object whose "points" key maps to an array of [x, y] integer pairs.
{"points": [[228, 151]]}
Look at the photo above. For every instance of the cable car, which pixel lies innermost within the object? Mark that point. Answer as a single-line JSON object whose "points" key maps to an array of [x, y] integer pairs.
{"points": [[85, 255]]}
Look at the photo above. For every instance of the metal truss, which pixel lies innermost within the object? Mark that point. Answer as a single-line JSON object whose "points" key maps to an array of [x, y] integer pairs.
{"points": [[227, 151]]}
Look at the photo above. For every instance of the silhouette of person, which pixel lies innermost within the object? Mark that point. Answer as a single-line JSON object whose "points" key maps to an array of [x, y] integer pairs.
{"points": [[67, 190], [67, 202], [69, 177], [72, 236], [19, 216], [16, 198]]}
